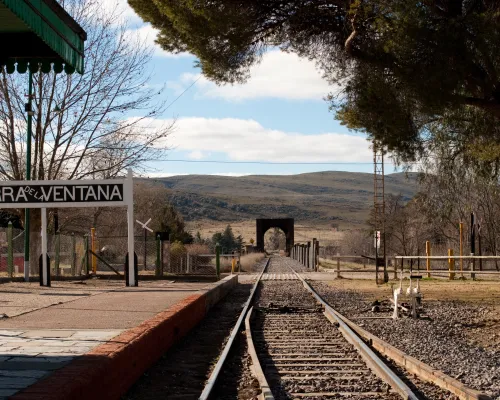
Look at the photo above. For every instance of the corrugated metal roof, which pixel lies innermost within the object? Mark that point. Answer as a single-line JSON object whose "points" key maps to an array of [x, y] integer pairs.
{"points": [[33, 24]]}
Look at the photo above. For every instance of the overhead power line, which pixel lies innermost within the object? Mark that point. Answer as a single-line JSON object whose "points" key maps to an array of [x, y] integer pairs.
{"points": [[269, 162], [185, 90]]}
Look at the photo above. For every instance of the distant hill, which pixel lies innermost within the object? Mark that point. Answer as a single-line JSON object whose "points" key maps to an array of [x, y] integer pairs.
{"points": [[342, 198]]}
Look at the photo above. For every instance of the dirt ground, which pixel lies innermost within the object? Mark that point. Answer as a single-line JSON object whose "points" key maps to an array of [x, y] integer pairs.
{"points": [[485, 292], [484, 330]]}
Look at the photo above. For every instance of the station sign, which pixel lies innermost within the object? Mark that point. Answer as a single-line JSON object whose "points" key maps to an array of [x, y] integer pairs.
{"points": [[73, 193], [38, 194]]}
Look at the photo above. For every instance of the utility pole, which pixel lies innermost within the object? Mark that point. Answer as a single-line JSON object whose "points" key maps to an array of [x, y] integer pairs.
{"points": [[461, 229], [379, 203], [29, 110], [473, 244]]}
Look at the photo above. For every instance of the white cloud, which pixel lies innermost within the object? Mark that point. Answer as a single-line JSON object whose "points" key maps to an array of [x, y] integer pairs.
{"points": [[247, 140], [143, 31], [279, 75], [121, 7], [147, 34], [196, 155]]}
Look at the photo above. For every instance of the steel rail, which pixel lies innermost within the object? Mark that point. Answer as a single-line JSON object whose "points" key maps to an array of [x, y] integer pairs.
{"points": [[372, 360], [256, 367], [222, 359]]}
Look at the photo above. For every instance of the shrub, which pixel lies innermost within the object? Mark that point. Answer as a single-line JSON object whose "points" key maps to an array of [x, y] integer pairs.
{"points": [[249, 262], [197, 248]]}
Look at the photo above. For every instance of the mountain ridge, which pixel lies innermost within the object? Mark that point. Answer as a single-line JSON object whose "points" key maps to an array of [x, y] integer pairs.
{"points": [[337, 198]]}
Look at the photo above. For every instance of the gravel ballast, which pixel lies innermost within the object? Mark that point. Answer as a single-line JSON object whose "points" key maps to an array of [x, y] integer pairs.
{"points": [[182, 371], [439, 340]]}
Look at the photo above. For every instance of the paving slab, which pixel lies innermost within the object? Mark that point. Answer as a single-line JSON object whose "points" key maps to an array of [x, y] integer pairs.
{"points": [[105, 305], [45, 329], [118, 335], [27, 356]]}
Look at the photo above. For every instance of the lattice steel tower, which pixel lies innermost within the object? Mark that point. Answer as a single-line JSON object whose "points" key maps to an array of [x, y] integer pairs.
{"points": [[379, 203]]}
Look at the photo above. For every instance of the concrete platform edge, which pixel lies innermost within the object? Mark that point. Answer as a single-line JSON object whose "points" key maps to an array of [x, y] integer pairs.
{"points": [[109, 370]]}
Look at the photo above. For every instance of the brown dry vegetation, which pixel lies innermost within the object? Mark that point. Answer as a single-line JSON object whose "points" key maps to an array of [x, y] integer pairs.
{"points": [[326, 198], [484, 292], [246, 229], [249, 263]]}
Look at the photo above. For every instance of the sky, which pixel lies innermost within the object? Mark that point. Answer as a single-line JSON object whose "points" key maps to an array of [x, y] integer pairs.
{"points": [[278, 116]]}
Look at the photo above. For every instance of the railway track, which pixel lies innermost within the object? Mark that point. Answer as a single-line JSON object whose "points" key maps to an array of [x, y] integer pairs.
{"points": [[304, 358], [301, 349], [287, 343], [301, 353]]}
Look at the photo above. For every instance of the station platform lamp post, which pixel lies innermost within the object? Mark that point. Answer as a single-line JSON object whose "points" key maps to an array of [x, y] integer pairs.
{"points": [[38, 37]]}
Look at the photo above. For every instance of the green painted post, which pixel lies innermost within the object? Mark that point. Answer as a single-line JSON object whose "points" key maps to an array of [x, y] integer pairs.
{"points": [[58, 253], [73, 254], [28, 177], [86, 256], [10, 251], [217, 260], [158, 255]]}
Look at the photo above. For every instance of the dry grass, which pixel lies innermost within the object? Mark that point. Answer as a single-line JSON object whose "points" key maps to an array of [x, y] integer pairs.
{"points": [[249, 262], [303, 232], [332, 264], [483, 292], [196, 248]]}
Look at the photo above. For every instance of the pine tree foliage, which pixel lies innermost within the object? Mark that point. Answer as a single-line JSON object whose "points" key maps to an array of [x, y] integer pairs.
{"points": [[402, 65]]}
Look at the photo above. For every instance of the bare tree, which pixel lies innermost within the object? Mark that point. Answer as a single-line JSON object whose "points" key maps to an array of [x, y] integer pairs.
{"points": [[99, 131], [450, 189], [150, 201], [93, 125], [275, 239]]}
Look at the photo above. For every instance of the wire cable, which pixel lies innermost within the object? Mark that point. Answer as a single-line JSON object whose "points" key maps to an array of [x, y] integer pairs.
{"points": [[271, 162], [185, 90]]}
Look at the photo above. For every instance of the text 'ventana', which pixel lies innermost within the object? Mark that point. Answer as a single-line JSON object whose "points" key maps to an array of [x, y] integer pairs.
{"points": [[61, 193]]}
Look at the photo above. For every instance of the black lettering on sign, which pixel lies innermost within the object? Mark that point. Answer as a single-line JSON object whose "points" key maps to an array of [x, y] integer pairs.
{"points": [[66, 193]]}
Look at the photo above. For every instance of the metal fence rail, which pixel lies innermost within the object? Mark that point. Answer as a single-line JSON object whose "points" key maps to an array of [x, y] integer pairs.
{"points": [[66, 252], [474, 265], [443, 265], [76, 255]]}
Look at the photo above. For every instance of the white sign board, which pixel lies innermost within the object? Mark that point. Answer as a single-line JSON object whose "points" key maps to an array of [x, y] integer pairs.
{"points": [[56, 194], [77, 193], [376, 243]]}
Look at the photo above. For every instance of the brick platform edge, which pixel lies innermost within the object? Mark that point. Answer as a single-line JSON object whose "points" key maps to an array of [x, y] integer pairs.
{"points": [[110, 369]]}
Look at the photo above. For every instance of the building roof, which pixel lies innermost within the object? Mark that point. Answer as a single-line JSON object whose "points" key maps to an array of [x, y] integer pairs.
{"points": [[40, 33]]}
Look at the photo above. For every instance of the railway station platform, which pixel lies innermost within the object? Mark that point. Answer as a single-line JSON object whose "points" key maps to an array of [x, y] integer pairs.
{"points": [[93, 338]]}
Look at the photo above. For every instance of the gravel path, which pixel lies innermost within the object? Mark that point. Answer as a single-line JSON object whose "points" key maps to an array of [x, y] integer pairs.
{"points": [[439, 340], [236, 380]]}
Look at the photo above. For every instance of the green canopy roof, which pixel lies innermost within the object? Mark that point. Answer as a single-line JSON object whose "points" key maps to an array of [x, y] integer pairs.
{"points": [[39, 33]]}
